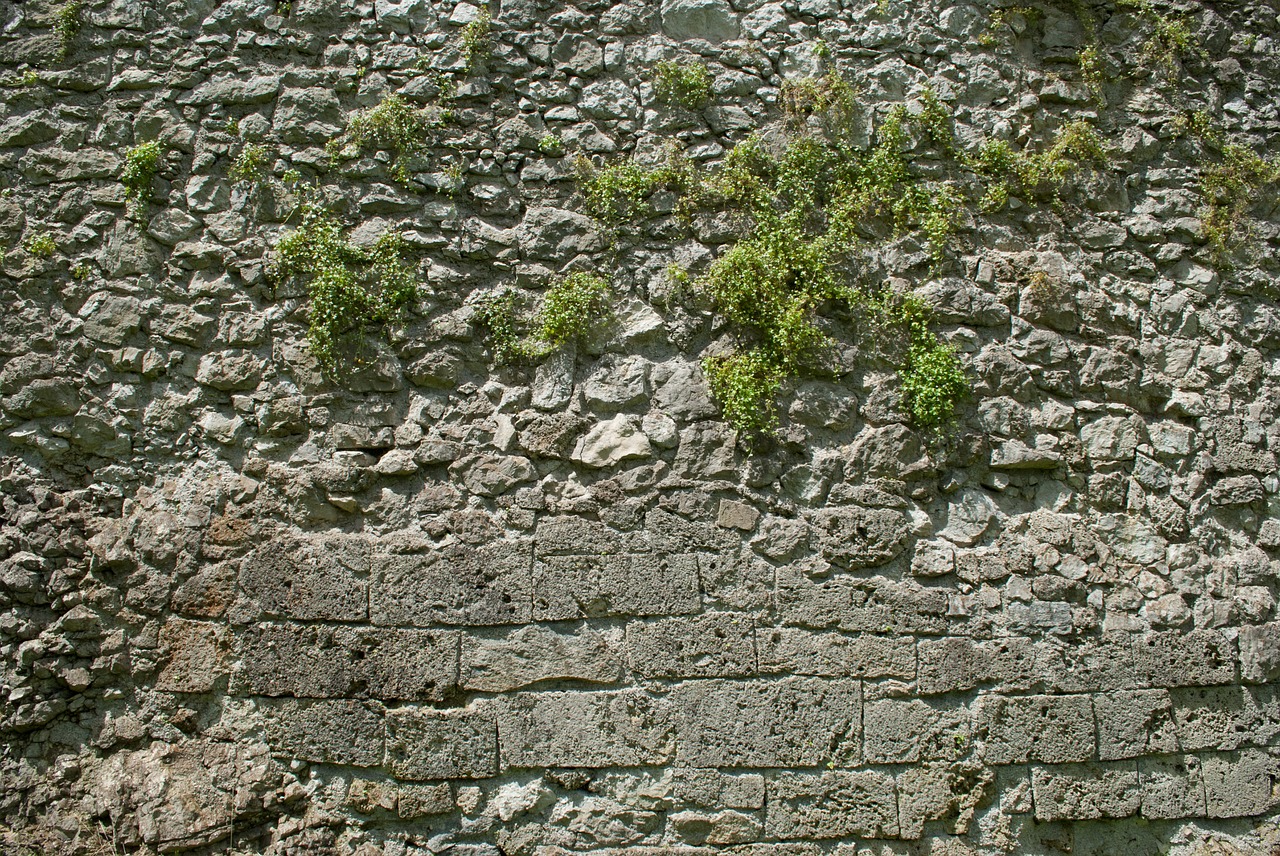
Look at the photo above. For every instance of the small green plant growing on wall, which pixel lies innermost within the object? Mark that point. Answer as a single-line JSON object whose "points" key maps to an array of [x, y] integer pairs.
{"points": [[393, 126], [40, 244], [685, 84], [249, 164], [350, 288], [476, 40], [572, 309], [1230, 187], [66, 23], [551, 145], [933, 379], [141, 163]]}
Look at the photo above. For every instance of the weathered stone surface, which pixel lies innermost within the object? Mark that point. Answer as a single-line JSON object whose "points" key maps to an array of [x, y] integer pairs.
{"points": [[1240, 784], [1172, 787], [712, 20], [308, 579], [454, 584], [832, 805], [959, 663], [897, 731], [714, 645], [1086, 791], [1132, 723], [325, 661], [571, 587], [1176, 659], [533, 654], [861, 537], [196, 658], [1052, 729], [609, 443], [586, 729], [328, 732], [445, 744], [754, 723], [1220, 718], [835, 655]]}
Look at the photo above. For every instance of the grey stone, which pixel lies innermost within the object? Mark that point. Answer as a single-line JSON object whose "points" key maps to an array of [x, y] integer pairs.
{"points": [[969, 517], [1176, 659], [453, 584], [533, 654], [755, 724], [554, 234], [327, 661], [1132, 723], [327, 732], [712, 20], [609, 443], [307, 579], [572, 587], [425, 744], [1240, 784], [110, 318], [1172, 787], [43, 397], [1260, 652], [584, 729], [1086, 791], [959, 663], [1111, 438], [718, 645], [941, 792], [861, 537], [900, 731], [195, 655], [835, 655], [1052, 729], [831, 805], [1220, 718]]}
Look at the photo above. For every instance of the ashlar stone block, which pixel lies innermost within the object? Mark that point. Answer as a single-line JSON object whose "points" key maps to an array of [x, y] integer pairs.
{"points": [[425, 744], [626, 728], [831, 805], [1052, 729]]}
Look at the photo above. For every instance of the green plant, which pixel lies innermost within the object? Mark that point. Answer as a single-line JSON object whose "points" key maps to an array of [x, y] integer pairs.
{"points": [[685, 84], [617, 192], [1075, 146], [571, 309], [249, 163], [393, 126], [1091, 70], [1002, 19], [828, 96], [1230, 187], [476, 37], [349, 287], [40, 244], [233, 126], [933, 379], [66, 23], [30, 77], [81, 271], [551, 145], [140, 166], [1171, 39]]}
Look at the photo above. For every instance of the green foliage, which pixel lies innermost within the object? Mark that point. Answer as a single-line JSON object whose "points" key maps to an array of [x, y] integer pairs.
{"points": [[746, 386], [249, 163], [619, 191], [1091, 70], [829, 96], [1171, 39], [551, 145], [40, 244], [30, 77], [685, 84], [476, 37], [140, 166], [933, 379], [349, 287], [1001, 20], [1230, 187], [571, 309], [1075, 146], [66, 23], [393, 126]]}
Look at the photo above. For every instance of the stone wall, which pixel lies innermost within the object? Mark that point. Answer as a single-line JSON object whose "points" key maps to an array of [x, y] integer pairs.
{"points": [[424, 604]]}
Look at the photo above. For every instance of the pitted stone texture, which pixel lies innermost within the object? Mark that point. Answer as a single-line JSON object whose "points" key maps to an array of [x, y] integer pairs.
{"points": [[835, 655], [327, 732], [1133, 723], [1050, 729], [717, 645], [1086, 791], [533, 654], [627, 728], [861, 537], [793, 722], [306, 578], [900, 731], [424, 744], [322, 661], [832, 805], [572, 587], [454, 584]]}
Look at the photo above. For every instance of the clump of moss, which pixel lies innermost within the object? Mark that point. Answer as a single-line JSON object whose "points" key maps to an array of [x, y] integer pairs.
{"points": [[350, 288], [685, 84]]}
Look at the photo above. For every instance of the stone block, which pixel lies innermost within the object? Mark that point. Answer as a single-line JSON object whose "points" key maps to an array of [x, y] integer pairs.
{"points": [[456, 584], [324, 661], [792, 722], [1176, 659], [196, 655], [858, 605], [835, 655], [1241, 784], [713, 645], [1052, 729], [714, 789], [309, 578], [901, 731], [854, 537], [572, 587], [959, 663], [626, 728], [325, 732], [1133, 723], [736, 582], [1086, 791], [532, 654], [941, 792], [1260, 653], [1089, 664], [831, 805], [1224, 718], [722, 827], [1172, 787], [424, 744]]}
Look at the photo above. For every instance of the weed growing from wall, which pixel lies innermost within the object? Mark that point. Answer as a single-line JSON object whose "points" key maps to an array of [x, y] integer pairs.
{"points": [[140, 166], [572, 309], [685, 84], [476, 40], [40, 245], [1231, 187], [249, 164], [392, 126], [350, 287], [66, 23]]}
